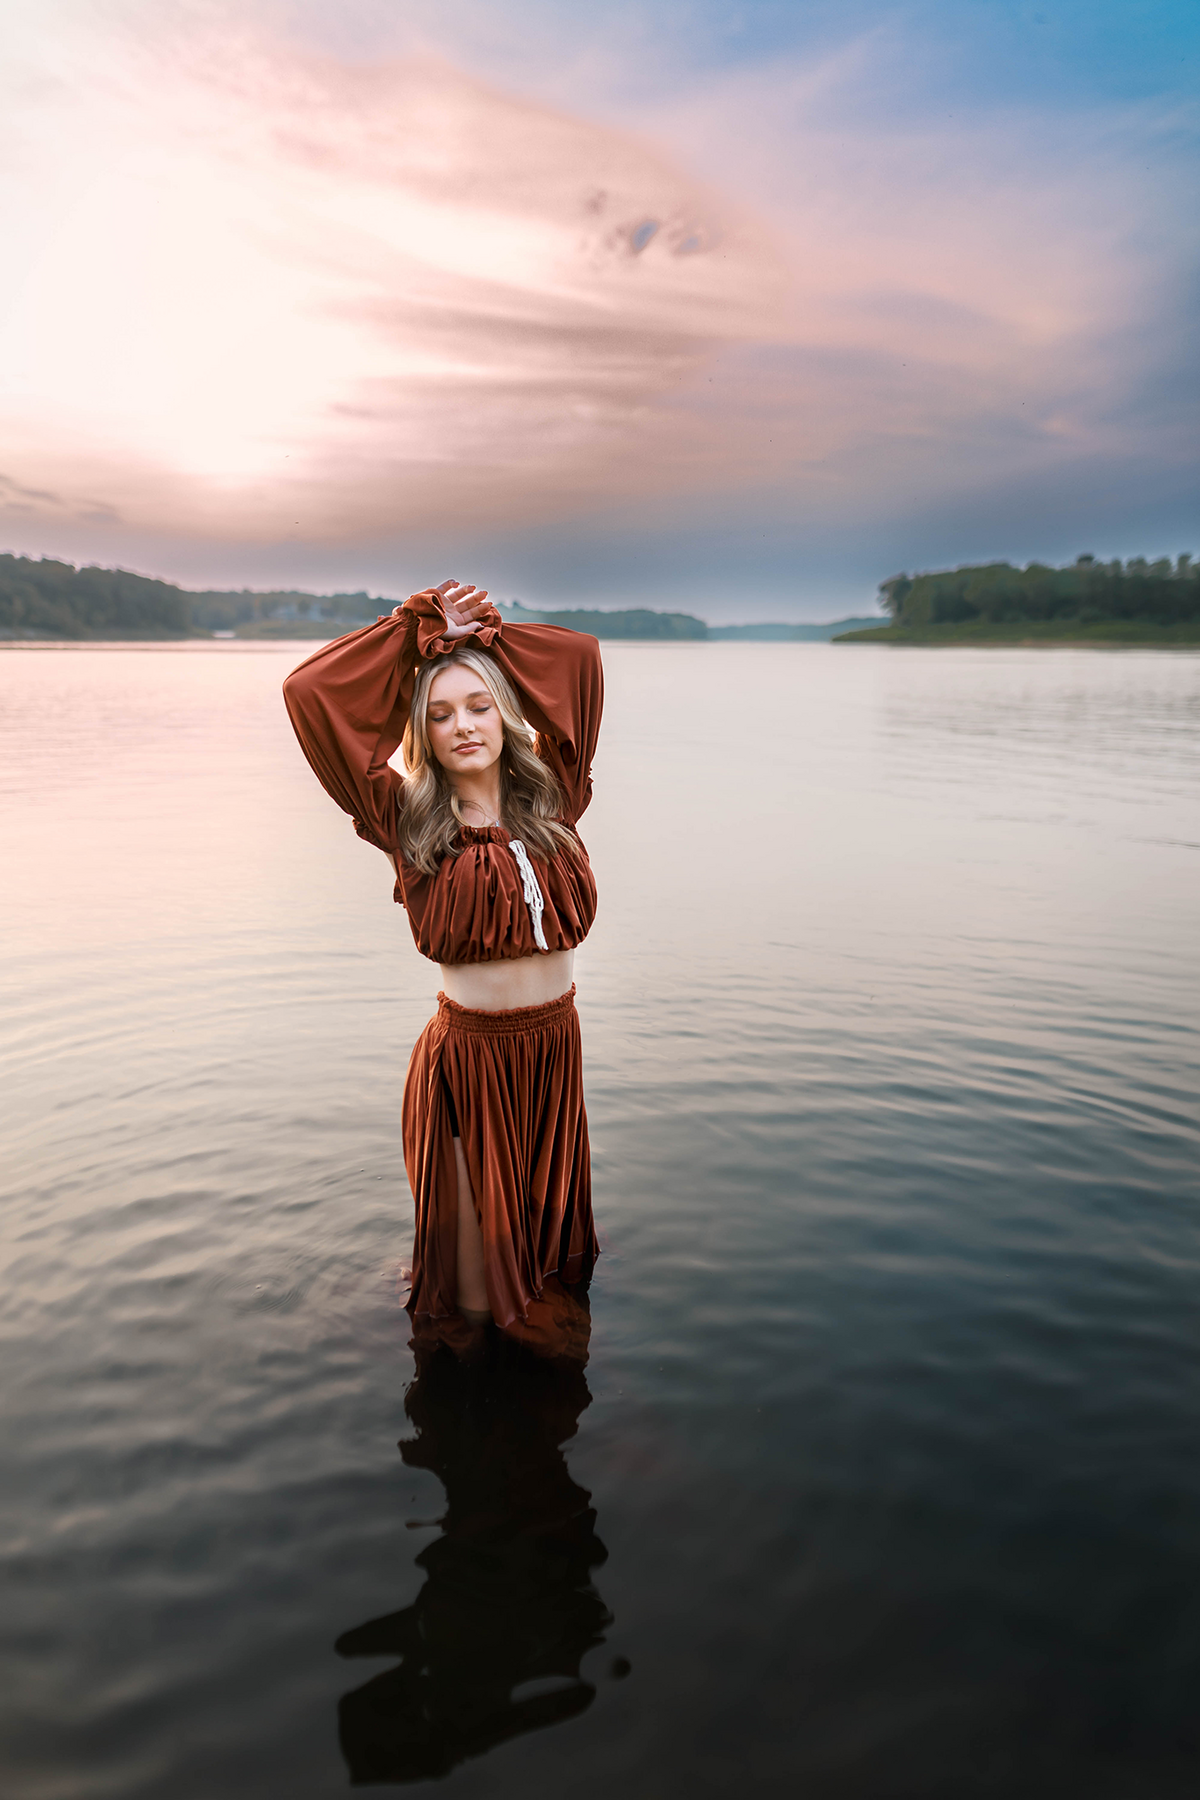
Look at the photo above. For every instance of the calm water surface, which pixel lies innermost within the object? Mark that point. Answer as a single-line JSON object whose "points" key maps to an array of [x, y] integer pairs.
{"points": [[884, 1476]]}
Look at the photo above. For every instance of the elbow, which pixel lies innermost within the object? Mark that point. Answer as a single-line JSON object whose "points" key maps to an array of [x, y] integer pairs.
{"points": [[589, 664], [596, 674], [295, 691], [297, 700]]}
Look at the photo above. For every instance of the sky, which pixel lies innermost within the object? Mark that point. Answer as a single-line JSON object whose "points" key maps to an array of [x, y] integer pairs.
{"points": [[740, 309]]}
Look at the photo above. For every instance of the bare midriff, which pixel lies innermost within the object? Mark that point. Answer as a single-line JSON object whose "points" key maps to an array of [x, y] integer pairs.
{"points": [[503, 986]]}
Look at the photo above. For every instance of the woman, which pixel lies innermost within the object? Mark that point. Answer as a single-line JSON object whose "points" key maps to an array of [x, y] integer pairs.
{"points": [[499, 891]]}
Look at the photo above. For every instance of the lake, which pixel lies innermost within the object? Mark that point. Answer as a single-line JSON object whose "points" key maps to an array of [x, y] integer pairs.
{"points": [[883, 1478]]}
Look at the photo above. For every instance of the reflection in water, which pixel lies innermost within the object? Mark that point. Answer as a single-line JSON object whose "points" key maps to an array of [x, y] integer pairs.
{"points": [[491, 1646]]}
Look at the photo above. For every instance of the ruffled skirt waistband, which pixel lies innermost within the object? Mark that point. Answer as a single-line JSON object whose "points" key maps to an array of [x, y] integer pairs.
{"points": [[512, 1023]]}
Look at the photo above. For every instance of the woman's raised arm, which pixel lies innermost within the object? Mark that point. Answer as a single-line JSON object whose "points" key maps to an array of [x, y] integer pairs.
{"points": [[345, 708], [560, 679], [349, 701]]}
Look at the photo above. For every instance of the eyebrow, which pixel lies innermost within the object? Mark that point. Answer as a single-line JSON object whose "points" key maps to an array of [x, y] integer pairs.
{"points": [[476, 694]]}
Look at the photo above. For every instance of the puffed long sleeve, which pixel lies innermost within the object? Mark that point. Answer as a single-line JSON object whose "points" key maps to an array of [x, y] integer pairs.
{"points": [[559, 678], [349, 704]]}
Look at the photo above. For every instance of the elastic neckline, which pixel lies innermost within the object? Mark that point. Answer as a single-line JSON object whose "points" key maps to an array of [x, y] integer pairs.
{"points": [[500, 834]]}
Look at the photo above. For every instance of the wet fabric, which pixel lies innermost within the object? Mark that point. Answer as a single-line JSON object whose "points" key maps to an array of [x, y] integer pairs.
{"points": [[349, 704], [514, 1083]]}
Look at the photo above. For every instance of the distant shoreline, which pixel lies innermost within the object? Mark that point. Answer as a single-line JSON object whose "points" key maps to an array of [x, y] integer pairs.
{"points": [[638, 628], [309, 640], [42, 600], [1137, 603], [1044, 634], [1013, 634]]}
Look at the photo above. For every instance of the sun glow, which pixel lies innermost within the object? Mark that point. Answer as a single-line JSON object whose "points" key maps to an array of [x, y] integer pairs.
{"points": [[231, 292], [254, 292]]}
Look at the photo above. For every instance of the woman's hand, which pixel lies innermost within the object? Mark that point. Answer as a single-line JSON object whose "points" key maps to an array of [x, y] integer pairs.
{"points": [[464, 607]]}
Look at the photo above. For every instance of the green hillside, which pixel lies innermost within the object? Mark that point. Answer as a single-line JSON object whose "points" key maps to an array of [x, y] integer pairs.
{"points": [[1137, 602], [51, 599], [48, 599]]}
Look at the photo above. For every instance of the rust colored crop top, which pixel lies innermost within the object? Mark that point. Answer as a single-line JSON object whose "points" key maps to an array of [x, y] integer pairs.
{"points": [[349, 705]]}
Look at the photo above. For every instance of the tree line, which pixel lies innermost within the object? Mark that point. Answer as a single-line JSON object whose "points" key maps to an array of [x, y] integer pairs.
{"points": [[43, 598], [1087, 591], [54, 599], [633, 622]]}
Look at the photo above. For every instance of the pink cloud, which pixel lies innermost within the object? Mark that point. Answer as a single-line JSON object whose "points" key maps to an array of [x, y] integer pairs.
{"points": [[359, 299], [264, 293]]}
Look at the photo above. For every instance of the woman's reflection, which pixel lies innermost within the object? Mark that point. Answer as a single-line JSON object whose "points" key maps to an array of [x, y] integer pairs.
{"points": [[491, 1646]]}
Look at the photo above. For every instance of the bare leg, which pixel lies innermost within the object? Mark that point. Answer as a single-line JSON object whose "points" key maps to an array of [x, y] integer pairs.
{"points": [[472, 1289]]}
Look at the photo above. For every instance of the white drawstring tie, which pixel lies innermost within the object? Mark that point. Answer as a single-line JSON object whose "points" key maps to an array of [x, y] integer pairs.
{"points": [[533, 893]]}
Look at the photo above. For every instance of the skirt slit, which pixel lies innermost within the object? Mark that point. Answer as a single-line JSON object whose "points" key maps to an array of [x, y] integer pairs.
{"points": [[510, 1086]]}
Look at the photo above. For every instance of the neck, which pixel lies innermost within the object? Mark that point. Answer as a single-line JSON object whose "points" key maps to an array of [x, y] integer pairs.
{"points": [[479, 793]]}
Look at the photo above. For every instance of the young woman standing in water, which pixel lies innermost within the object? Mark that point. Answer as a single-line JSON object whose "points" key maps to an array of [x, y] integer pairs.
{"points": [[499, 892]]}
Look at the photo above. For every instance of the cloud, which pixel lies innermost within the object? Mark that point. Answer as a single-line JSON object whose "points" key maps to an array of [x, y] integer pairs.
{"points": [[278, 289], [289, 299]]}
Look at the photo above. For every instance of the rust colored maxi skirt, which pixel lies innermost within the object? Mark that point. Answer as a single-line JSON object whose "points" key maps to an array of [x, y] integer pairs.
{"points": [[510, 1086]]}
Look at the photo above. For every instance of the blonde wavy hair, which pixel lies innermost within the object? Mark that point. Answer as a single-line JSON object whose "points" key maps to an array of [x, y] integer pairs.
{"points": [[530, 796]]}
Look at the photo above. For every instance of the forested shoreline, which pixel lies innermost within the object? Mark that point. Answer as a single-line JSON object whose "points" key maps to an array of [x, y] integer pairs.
{"points": [[1085, 601], [44, 598], [47, 599]]}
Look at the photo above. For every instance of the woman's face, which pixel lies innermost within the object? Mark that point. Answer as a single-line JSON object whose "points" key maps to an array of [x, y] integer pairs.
{"points": [[463, 721]]}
